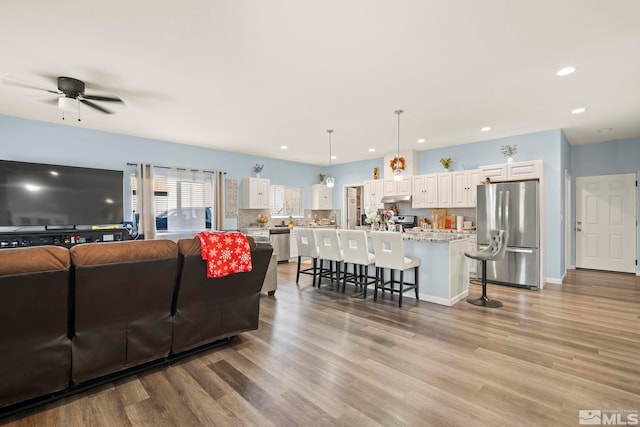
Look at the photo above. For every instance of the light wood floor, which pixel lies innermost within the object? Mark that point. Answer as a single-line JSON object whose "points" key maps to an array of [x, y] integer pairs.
{"points": [[322, 358]]}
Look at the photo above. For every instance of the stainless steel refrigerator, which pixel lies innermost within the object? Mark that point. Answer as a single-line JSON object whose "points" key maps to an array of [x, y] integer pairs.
{"points": [[512, 206]]}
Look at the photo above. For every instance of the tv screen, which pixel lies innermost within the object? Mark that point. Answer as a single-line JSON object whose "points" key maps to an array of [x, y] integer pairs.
{"points": [[34, 194]]}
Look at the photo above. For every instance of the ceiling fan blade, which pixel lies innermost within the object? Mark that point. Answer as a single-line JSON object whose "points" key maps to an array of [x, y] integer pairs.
{"points": [[103, 98], [53, 101], [28, 85], [95, 106]]}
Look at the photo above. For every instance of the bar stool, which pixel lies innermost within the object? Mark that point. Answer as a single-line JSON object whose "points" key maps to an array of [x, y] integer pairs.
{"points": [[494, 252], [388, 248], [308, 248], [329, 250], [355, 249]]}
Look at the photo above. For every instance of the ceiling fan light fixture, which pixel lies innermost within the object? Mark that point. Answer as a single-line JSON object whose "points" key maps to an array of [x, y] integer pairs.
{"points": [[67, 104]]}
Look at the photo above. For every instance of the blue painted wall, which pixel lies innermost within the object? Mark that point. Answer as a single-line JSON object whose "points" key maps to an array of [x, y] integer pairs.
{"points": [[43, 142]]}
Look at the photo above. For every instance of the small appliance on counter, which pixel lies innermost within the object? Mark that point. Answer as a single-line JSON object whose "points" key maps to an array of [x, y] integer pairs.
{"points": [[406, 221]]}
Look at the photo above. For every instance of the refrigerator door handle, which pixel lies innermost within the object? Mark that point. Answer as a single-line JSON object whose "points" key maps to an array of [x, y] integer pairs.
{"points": [[519, 250], [499, 210], [506, 222], [509, 249]]}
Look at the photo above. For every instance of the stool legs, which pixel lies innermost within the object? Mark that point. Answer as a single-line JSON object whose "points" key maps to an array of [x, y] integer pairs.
{"points": [[313, 273], [380, 283], [484, 301]]}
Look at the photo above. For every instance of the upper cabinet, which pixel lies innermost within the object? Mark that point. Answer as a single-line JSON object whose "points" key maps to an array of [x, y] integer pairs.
{"points": [[524, 170], [255, 193], [445, 190], [464, 185], [425, 191], [397, 188], [321, 197], [373, 192], [494, 172], [514, 171]]}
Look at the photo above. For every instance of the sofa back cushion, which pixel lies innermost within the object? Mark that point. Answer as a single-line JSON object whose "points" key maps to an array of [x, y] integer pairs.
{"points": [[123, 293], [35, 351], [208, 309]]}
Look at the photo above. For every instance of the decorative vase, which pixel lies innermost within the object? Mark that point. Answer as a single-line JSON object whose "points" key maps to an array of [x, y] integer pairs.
{"points": [[446, 169], [509, 159], [257, 175]]}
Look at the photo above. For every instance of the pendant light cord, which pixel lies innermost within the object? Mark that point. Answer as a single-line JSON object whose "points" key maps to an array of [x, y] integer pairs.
{"points": [[330, 131], [398, 112]]}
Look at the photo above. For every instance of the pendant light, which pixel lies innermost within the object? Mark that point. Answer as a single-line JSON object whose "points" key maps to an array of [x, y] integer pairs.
{"points": [[398, 161], [330, 180]]}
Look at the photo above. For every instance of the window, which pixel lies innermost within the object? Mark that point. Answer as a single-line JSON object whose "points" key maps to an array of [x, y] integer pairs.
{"points": [[286, 201], [182, 199]]}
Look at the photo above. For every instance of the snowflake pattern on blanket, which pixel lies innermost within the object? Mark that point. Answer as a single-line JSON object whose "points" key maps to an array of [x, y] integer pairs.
{"points": [[225, 252]]}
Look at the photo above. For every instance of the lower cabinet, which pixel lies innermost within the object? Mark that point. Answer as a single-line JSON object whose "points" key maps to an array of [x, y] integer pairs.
{"points": [[472, 264]]}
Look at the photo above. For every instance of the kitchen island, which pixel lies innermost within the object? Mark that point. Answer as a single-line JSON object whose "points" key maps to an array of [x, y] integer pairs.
{"points": [[443, 272]]}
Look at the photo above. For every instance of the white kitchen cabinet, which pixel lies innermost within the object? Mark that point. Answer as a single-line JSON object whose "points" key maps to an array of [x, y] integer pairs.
{"points": [[373, 192], [255, 193], [494, 172], [424, 189], [524, 170], [515, 171], [321, 197], [464, 185], [445, 190], [397, 188]]}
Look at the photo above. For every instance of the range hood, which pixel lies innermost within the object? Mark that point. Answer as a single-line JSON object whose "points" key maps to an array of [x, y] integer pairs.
{"points": [[395, 199]]}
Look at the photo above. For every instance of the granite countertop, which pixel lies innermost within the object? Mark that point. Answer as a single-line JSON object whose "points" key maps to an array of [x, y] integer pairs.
{"points": [[436, 237]]}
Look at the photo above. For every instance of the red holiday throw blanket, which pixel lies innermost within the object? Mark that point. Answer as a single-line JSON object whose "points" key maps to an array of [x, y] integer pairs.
{"points": [[225, 252]]}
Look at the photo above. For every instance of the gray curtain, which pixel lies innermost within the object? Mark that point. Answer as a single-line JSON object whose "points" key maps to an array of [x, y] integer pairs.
{"points": [[218, 200], [144, 177]]}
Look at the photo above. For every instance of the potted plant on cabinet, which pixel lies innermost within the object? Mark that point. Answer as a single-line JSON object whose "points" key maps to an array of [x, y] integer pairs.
{"points": [[446, 163]]}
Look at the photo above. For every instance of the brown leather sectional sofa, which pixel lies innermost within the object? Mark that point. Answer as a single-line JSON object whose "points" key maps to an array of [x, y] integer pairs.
{"points": [[73, 317]]}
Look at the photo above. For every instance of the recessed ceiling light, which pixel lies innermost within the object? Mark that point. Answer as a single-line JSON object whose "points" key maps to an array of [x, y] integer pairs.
{"points": [[283, 147], [333, 157], [578, 110], [565, 71], [605, 130], [421, 140], [371, 150], [486, 129]]}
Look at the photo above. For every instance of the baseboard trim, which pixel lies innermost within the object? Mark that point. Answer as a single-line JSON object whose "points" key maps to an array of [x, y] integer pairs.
{"points": [[444, 301], [553, 281]]}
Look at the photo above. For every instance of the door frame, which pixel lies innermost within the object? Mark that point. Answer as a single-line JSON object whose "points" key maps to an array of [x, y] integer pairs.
{"points": [[345, 200], [635, 206]]}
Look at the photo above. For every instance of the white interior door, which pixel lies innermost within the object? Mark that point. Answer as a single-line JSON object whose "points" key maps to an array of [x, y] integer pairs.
{"points": [[352, 211], [606, 222]]}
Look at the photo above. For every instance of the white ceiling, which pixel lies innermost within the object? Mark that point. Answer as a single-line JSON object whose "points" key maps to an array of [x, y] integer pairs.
{"points": [[250, 76]]}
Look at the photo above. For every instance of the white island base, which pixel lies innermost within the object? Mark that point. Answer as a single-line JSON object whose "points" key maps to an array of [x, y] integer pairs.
{"points": [[443, 273]]}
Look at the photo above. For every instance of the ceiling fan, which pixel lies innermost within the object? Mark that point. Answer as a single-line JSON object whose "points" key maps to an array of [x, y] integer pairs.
{"points": [[70, 94]]}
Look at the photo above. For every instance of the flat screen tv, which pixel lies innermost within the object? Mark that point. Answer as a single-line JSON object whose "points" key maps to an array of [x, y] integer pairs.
{"points": [[34, 194]]}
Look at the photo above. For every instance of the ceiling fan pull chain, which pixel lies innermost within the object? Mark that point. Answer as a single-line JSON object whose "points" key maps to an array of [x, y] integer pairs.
{"points": [[79, 110]]}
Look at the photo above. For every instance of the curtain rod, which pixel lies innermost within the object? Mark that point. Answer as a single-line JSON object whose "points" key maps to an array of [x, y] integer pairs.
{"points": [[172, 167]]}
